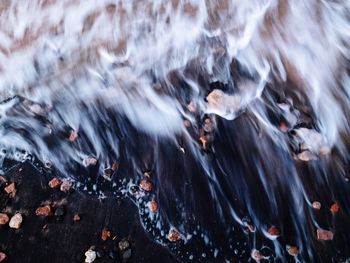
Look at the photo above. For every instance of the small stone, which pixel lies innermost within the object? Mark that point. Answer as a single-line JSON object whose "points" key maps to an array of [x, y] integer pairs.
{"points": [[147, 174], [127, 254], [11, 189], [208, 125], [44, 211], [146, 185], [334, 208], [16, 221], [105, 234], [316, 205], [292, 250], [4, 219], [324, 234], [256, 255], [76, 218], [90, 161], [90, 256], [55, 183], [273, 231], [73, 136], [284, 127], [153, 206], [174, 235], [115, 166], [124, 244], [66, 186], [3, 256]]}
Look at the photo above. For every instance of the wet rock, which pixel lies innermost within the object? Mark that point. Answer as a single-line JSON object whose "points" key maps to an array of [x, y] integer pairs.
{"points": [[105, 234], [192, 107], [76, 218], [293, 250], [66, 186], [123, 245], [153, 206], [208, 125], [223, 104], [73, 136], [174, 235], [306, 156], [316, 205], [16, 221], [115, 166], [334, 208], [107, 173], [256, 255], [90, 256], [324, 234], [90, 161], [127, 254], [11, 189], [55, 183], [273, 231], [3, 256], [4, 219], [283, 127], [146, 185], [44, 211]]}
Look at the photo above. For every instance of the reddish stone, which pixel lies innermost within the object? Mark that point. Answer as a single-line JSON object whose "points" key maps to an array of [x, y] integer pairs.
{"points": [[11, 189], [153, 206], [256, 255], [174, 235], [273, 231], [66, 185], [4, 219], [73, 135], [284, 127], [76, 218], [316, 205], [55, 183], [115, 166], [146, 185], [3, 256], [335, 208], [292, 250], [324, 234], [105, 234], [44, 211]]}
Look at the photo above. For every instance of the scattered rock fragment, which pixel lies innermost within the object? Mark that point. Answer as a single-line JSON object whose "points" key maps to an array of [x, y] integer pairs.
{"points": [[11, 189], [316, 205], [4, 219], [55, 183], [89, 161], [105, 234], [208, 125], [293, 250], [76, 218], [283, 127], [16, 221], [44, 211], [73, 136], [146, 185], [115, 166], [324, 234], [334, 208], [123, 245], [90, 256], [3, 256], [256, 255], [153, 206], [273, 231], [192, 107], [174, 235], [66, 186]]}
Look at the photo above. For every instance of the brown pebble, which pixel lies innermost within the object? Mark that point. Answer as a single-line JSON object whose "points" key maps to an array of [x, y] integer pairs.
{"points": [[11, 189], [174, 235], [273, 231], [256, 255], [4, 219], [55, 183], [153, 206], [76, 218], [16, 221], [292, 250], [44, 211], [105, 234], [73, 136], [334, 208], [284, 127], [324, 234], [3, 256], [115, 166], [66, 185], [316, 205], [146, 185]]}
